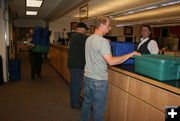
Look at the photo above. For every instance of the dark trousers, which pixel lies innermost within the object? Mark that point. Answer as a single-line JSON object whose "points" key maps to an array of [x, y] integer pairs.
{"points": [[75, 86], [36, 60]]}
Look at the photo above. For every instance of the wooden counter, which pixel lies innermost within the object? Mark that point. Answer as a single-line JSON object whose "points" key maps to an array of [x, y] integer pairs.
{"points": [[58, 55], [132, 97]]}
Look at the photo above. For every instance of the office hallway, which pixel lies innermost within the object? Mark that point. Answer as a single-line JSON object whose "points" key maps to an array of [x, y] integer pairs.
{"points": [[45, 99]]}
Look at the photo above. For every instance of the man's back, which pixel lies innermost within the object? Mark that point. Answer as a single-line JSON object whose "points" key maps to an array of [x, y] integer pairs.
{"points": [[96, 66], [76, 52]]}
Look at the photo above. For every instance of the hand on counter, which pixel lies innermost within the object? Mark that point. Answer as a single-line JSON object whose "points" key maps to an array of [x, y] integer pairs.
{"points": [[135, 53]]}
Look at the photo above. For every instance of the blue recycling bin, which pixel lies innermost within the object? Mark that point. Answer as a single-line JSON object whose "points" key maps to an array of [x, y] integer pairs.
{"points": [[41, 40], [14, 70], [122, 48]]}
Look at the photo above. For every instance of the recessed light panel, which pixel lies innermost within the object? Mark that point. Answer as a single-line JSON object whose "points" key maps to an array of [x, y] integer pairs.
{"points": [[33, 3], [31, 13]]}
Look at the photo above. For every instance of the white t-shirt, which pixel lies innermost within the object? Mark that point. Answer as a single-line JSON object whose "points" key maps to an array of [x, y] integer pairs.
{"points": [[95, 48]]}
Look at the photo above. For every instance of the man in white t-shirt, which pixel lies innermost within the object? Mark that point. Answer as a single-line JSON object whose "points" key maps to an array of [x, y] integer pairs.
{"points": [[98, 55]]}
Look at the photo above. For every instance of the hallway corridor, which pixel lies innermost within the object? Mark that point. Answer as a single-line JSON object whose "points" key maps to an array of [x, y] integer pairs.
{"points": [[45, 99]]}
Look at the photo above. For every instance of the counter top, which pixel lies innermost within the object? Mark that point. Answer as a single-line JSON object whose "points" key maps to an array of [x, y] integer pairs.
{"points": [[128, 69], [59, 45]]}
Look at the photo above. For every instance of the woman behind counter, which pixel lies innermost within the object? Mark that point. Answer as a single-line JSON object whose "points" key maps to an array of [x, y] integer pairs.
{"points": [[146, 44]]}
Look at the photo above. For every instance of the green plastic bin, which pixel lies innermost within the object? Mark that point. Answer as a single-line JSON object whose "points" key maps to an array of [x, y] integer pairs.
{"points": [[39, 48], [159, 67]]}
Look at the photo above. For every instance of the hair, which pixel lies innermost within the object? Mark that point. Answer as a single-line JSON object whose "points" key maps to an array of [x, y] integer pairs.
{"points": [[31, 31], [100, 20], [149, 28]]}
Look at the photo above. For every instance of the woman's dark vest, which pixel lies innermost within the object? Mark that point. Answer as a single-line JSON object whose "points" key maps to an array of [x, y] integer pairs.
{"points": [[143, 49]]}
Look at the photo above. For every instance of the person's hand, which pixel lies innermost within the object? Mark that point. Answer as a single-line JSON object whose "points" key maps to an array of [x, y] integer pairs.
{"points": [[135, 53], [109, 40], [31, 45]]}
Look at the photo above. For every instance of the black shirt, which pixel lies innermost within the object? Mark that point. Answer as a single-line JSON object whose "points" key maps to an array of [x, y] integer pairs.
{"points": [[76, 52]]}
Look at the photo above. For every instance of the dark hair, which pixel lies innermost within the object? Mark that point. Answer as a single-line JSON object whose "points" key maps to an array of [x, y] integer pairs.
{"points": [[82, 25], [100, 20], [149, 28]]}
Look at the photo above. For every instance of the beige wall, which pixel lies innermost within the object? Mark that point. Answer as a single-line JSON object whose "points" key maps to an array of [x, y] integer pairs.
{"points": [[119, 31], [29, 23], [3, 52], [1, 30], [59, 25]]}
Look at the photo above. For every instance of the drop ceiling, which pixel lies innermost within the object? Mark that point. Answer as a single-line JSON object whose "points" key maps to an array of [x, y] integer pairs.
{"points": [[49, 8], [53, 9]]}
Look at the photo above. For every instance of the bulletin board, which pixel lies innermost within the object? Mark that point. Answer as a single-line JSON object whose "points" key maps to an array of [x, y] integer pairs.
{"points": [[128, 30]]}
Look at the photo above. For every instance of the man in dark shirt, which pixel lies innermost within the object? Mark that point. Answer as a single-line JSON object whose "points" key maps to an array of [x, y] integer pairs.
{"points": [[76, 62], [36, 58]]}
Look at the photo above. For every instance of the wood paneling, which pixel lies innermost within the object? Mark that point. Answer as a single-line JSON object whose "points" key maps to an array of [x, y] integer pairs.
{"points": [[58, 56], [131, 99], [118, 79], [116, 104], [148, 80], [141, 111], [154, 96]]}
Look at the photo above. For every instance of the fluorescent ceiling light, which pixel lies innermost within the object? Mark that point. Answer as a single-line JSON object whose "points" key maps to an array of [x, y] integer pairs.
{"points": [[149, 7], [119, 25], [171, 3], [33, 3], [31, 13]]}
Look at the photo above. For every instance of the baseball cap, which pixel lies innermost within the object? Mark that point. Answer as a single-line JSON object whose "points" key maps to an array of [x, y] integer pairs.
{"points": [[82, 25]]}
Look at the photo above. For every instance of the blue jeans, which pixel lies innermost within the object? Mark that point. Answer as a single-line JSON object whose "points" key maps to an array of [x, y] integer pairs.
{"points": [[95, 92], [75, 86]]}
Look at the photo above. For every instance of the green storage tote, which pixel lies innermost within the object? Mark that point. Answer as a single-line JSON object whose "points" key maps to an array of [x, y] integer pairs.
{"points": [[39, 48], [159, 67]]}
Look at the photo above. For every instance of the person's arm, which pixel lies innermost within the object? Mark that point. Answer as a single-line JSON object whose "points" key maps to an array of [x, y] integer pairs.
{"points": [[29, 43], [32, 45], [118, 59], [153, 47]]}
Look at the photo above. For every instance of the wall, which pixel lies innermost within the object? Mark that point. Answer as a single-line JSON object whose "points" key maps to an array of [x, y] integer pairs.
{"points": [[119, 31], [175, 30], [62, 25], [58, 25], [116, 31], [11, 40], [156, 32], [29, 23], [3, 44], [57, 28]]}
